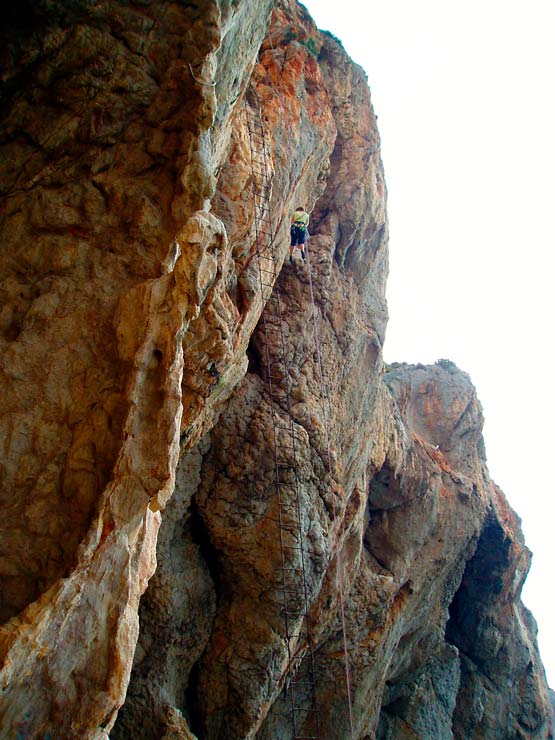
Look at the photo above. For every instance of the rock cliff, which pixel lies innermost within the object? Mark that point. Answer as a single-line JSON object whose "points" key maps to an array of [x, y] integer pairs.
{"points": [[140, 560]]}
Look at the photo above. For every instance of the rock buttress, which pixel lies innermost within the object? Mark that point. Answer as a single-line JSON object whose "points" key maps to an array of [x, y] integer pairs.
{"points": [[109, 141], [315, 110]]}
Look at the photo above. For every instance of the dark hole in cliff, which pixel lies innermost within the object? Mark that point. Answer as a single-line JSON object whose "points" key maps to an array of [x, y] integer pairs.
{"points": [[384, 493], [470, 627], [211, 557], [193, 712], [255, 360], [384, 490]]}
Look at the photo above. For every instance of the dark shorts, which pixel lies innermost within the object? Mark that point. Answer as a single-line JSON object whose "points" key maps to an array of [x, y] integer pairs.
{"points": [[298, 236]]}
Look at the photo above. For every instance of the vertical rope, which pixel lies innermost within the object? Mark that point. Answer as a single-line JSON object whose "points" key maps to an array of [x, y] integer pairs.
{"points": [[325, 408], [338, 574], [295, 595], [326, 415]]}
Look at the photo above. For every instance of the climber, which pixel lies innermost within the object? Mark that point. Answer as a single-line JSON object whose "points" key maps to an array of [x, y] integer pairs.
{"points": [[299, 232]]}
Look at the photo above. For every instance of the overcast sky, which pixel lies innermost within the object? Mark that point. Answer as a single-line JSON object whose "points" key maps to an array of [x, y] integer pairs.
{"points": [[464, 94]]}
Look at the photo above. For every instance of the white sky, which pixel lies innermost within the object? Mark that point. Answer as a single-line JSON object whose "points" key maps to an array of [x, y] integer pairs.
{"points": [[464, 93]]}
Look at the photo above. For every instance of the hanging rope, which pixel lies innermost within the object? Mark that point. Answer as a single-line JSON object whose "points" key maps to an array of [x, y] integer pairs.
{"points": [[326, 415], [338, 569], [271, 276], [295, 600], [201, 82]]}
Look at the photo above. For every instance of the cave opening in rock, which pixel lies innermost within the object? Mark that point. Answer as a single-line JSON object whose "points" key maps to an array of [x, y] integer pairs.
{"points": [[384, 493], [193, 702], [482, 582], [384, 488], [255, 360], [472, 629]]}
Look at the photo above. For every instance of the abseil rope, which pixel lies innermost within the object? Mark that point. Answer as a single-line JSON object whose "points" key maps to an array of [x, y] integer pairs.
{"points": [[338, 570], [325, 408]]}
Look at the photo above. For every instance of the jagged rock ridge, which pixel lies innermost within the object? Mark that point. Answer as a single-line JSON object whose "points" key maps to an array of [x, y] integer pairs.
{"points": [[134, 381]]}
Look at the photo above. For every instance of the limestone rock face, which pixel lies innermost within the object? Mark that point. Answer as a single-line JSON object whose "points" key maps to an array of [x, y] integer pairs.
{"points": [[140, 562], [107, 262]]}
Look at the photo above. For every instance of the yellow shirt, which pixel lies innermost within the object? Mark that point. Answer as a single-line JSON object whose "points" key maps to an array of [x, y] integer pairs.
{"points": [[300, 218]]}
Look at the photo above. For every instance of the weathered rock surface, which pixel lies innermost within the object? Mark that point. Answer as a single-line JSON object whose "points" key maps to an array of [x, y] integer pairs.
{"points": [[137, 425]]}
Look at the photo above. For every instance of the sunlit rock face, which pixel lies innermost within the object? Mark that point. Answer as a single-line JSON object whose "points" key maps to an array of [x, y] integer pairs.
{"points": [[139, 552]]}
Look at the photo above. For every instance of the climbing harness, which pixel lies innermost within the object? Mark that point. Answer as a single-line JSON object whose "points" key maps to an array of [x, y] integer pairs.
{"points": [[300, 686], [301, 221]]}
